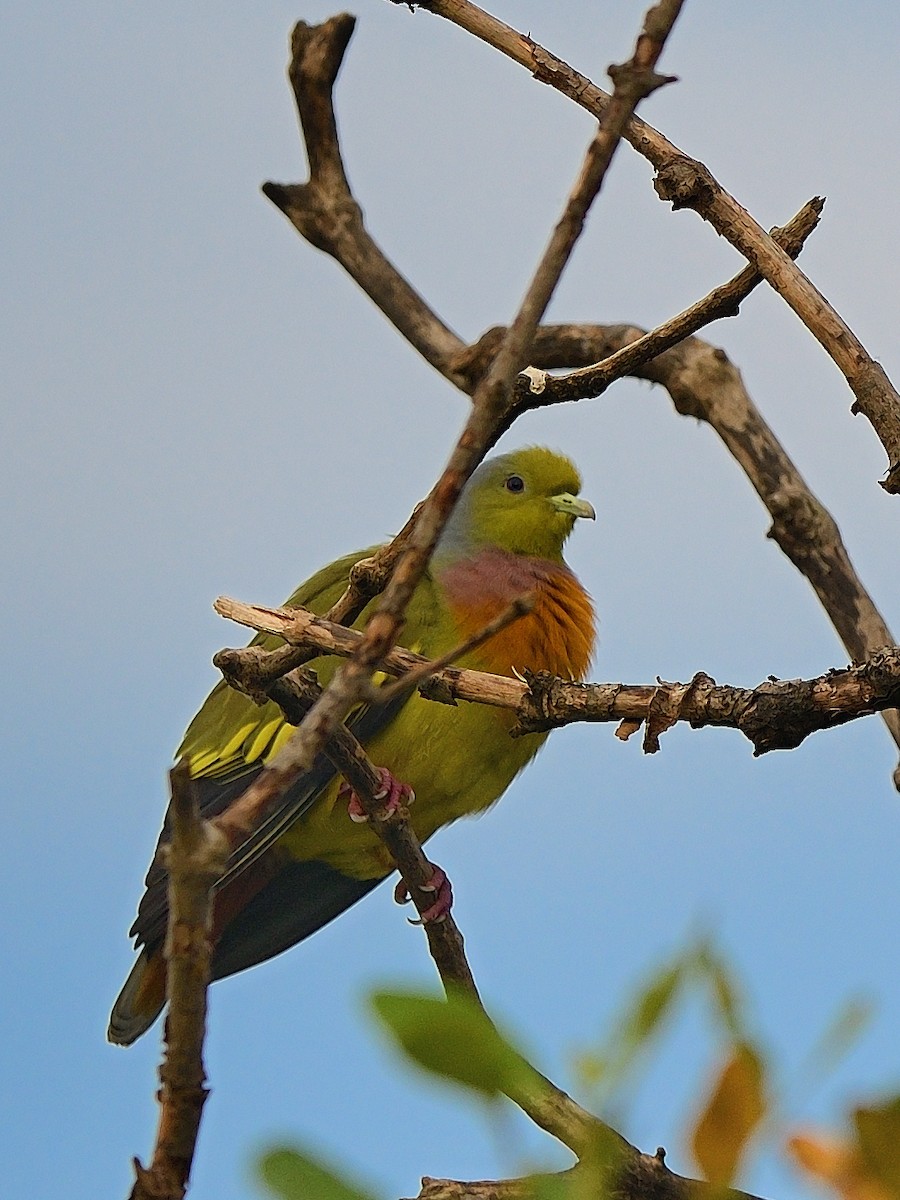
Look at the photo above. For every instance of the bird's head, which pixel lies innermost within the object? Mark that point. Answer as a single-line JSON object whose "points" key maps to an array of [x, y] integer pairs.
{"points": [[525, 502]]}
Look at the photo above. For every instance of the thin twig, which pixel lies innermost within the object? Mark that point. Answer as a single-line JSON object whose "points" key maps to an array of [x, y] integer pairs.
{"points": [[723, 301], [417, 675]]}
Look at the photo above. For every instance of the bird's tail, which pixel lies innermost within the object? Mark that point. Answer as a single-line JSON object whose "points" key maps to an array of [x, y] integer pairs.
{"points": [[140, 1001]]}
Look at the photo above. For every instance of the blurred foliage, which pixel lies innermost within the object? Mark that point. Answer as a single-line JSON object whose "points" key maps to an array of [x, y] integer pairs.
{"points": [[730, 1116], [455, 1041], [860, 1164]]}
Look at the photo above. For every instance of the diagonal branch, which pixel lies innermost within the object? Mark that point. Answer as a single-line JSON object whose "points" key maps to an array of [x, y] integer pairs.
{"points": [[489, 402], [599, 1147], [548, 1106], [295, 693], [538, 390]]}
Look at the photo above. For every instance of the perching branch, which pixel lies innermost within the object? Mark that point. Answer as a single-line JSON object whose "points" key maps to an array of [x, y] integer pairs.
{"points": [[703, 384], [775, 715], [295, 693], [600, 1149]]}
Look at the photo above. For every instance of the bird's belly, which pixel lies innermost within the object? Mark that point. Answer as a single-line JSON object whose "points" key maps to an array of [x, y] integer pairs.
{"points": [[457, 760]]}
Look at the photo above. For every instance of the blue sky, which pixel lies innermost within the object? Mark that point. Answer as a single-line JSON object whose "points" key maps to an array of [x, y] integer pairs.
{"points": [[196, 403]]}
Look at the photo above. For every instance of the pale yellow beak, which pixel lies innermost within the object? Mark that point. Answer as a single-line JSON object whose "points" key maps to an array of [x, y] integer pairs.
{"points": [[575, 506]]}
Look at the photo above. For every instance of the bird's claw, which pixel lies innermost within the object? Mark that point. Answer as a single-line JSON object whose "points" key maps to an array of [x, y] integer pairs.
{"points": [[391, 795], [443, 901]]}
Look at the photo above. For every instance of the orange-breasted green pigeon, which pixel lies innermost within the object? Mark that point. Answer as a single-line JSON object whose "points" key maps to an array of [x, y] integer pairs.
{"points": [[504, 540]]}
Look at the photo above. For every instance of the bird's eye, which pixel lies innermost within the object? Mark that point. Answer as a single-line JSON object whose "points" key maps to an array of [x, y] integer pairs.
{"points": [[515, 483]]}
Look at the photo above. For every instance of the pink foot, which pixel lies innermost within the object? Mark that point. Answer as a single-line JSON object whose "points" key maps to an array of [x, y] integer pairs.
{"points": [[443, 901], [391, 796]]}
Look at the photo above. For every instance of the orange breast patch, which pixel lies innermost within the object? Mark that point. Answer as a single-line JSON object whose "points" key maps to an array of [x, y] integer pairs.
{"points": [[556, 636]]}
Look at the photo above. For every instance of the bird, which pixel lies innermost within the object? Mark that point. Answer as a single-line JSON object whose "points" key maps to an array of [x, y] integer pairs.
{"points": [[504, 539]]}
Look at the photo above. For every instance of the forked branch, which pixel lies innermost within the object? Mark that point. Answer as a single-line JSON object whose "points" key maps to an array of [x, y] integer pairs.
{"points": [[687, 183]]}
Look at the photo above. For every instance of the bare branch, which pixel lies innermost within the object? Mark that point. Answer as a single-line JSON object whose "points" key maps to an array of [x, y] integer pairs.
{"points": [[197, 856], [640, 1177], [324, 210], [776, 715], [633, 81], [723, 301], [687, 183]]}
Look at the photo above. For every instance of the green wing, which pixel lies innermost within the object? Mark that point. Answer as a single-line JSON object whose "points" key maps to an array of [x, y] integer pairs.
{"points": [[230, 740], [231, 734]]}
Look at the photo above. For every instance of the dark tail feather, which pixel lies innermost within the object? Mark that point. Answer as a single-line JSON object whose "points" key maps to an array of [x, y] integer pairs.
{"points": [[140, 1001], [298, 900], [286, 904]]}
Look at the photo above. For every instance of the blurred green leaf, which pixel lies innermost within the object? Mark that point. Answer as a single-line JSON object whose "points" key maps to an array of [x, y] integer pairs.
{"points": [[735, 1107], [878, 1134], [294, 1175], [454, 1039], [839, 1037], [726, 998], [646, 1013], [592, 1067], [653, 1004]]}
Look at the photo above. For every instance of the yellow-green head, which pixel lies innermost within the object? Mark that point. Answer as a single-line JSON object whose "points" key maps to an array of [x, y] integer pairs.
{"points": [[525, 502]]}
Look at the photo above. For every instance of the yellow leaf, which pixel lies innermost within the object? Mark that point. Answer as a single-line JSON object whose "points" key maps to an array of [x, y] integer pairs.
{"points": [[878, 1139], [837, 1162], [735, 1107], [827, 1158]]}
